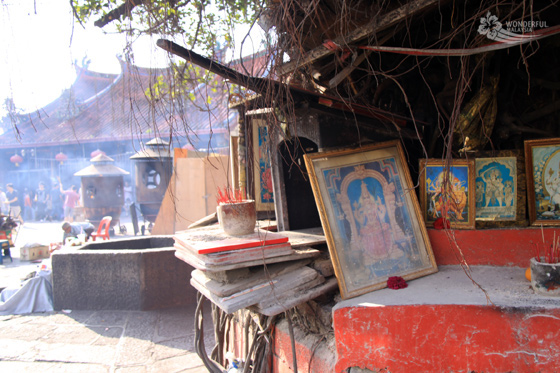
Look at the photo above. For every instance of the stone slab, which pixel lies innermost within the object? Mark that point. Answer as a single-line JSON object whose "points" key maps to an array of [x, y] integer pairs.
{"points": [[120, 279], [298, 254], [253, 295], [238, 256], [284, 298], [275, 309], [257, 276], [213, 239]]}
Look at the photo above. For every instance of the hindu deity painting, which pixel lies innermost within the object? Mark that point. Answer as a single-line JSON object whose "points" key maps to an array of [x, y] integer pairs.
{"points": [[264, 196], [543, 183], [445, 192], [496, 188], [372, 214]]}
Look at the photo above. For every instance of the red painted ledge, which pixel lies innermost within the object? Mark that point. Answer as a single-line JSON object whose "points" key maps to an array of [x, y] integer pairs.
{"points": [[512, 247], [447, 338]]}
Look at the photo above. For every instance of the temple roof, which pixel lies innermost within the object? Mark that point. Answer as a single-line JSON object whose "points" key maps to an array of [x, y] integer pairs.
{"points": [[107, 107]]}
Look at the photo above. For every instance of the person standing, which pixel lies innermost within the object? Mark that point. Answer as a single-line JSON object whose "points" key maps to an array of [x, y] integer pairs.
{"points": [[55, 203], [28, 212], [15, 202], [4, 204], [41, 199], [72, 198]]}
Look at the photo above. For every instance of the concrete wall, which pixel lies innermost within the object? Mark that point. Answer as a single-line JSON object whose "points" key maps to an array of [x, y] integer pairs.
{"points": [[121, 275]]}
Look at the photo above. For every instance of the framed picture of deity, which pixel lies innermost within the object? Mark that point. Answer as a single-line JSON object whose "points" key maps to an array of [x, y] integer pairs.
{"points": [[542, 164], [447, 191], [262, 171], [370, 215], [500, 189]]}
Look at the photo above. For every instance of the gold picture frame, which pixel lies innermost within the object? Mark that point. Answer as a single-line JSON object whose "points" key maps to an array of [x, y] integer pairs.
{"points": [[370, 215], [511, 164], [542, 165], [457, 205]]}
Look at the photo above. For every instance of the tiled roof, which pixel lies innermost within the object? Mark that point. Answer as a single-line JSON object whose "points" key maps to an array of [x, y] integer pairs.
{"points": [[102, 107]]}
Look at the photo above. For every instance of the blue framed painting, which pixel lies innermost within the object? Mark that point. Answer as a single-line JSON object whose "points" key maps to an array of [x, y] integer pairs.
{"points": [[264, 195], [371, 216], [542, 159], [447, 192], [496, 188]]}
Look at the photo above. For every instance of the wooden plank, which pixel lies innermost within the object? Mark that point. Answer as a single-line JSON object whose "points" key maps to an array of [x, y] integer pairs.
{"points": [[165, 220], [238, 256], [234, 161], [330, 285], [380, 23], [305, 237], [196, 183], [276, 298], [217, 173], [213, 239], [256, 277], [193, 260], [253, 295], [190, 190], [205, 221]]}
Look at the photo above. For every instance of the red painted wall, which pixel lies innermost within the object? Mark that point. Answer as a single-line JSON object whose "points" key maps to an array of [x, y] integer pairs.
{"points": [[427, 338], [501, 247]]}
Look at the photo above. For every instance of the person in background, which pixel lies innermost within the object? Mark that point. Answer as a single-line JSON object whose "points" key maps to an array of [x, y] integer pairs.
{"points": [[28, 212], [55, 203], [42, 197], [15, 203], [74, 229], [71, 200], [128, 197], [4, 204]]}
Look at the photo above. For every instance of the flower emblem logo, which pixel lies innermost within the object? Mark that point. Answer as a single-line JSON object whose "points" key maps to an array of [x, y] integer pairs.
{"points": [[489, 26]]}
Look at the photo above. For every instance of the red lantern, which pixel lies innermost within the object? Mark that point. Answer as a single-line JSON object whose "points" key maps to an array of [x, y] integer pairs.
{"points": [[61, 157], [17, 159], [95, 153]]}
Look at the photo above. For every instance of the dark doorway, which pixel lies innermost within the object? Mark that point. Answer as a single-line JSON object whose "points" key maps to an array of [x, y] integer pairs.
{"points": [[302, 210]]}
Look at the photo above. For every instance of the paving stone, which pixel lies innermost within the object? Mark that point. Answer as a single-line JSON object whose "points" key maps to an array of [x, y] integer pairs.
{"points": [[178, 364], [134, 351], [141, 325], [108, 318], [135, 369], [34, 367], [104, 355], [172, 348], [12, 348], [85, 336], [72, 317], [26, 332]]}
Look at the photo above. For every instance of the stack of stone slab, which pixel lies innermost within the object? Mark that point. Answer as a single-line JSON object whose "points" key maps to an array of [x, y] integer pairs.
{"points": [[266, 271]]}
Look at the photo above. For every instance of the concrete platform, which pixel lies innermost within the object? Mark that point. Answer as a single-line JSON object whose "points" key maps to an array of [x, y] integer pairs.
{"points": [[94, 341], [446, 323], [102, 341]]}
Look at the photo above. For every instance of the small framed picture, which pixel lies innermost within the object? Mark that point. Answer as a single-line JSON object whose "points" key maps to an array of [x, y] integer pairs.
{"points": [[262, 171], [447, 191], [542, 163], [500, 189], [370, 215]]}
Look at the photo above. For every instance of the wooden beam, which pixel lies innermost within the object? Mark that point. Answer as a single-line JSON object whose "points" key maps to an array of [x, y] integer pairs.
{"points": [[379, 23]]}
